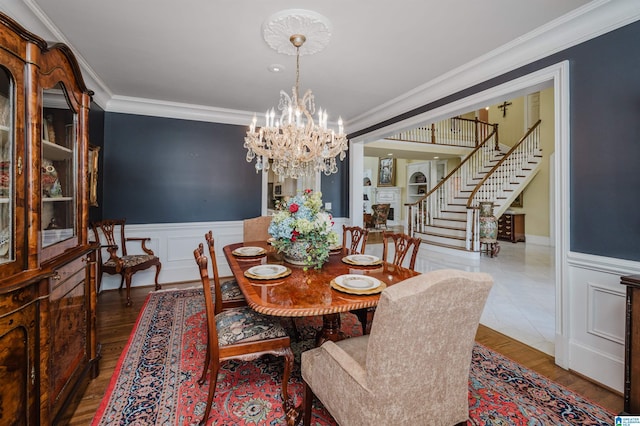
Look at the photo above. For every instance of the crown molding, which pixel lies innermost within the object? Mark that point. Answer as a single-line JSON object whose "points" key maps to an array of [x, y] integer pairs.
{"points": [[153, 107], [594, 19]]}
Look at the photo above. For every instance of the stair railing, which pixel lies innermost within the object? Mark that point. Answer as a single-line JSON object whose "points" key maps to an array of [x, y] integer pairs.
{"points": [[422, 212], [453, 131], [499, 179]]}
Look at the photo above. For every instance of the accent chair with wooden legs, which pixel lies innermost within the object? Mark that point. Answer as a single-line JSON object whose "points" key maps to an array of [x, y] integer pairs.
{"points": [[119, 262], [241, 334], [413, 368]]}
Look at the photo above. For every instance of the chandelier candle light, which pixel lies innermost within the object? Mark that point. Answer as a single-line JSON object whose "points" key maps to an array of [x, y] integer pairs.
{"points": [[292, 143]]}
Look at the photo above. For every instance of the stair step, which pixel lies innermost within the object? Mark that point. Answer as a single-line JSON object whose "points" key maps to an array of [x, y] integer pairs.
{"points": [[449, 246], [441, 232], [436, 239]]}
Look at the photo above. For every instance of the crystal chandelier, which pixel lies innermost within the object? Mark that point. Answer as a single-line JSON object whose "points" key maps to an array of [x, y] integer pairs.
{"points": [[291, 142]]}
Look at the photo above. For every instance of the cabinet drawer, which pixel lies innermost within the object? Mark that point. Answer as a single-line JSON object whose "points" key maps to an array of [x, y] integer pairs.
{"points": [[16, 299], [66, 277]]}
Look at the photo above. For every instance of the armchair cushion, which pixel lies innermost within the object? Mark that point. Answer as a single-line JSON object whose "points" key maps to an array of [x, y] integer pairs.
{"points": [[130, 260], [243, 324]]}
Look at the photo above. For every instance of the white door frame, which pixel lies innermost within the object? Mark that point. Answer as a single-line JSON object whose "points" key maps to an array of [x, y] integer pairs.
{"points": [[556, 75]]}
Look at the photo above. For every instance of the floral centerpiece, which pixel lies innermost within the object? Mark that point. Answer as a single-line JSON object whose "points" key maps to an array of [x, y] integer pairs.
{"points": [[303, 231]]}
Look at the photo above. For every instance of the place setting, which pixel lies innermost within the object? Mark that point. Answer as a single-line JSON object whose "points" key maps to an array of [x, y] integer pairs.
{"points": [[335, 249], [267, 272], [362, 260], [358, 284], [249, 251]]}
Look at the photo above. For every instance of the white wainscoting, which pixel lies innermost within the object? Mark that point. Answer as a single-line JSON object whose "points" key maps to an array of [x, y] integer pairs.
{"points": [[596, 316], [174, 244]]}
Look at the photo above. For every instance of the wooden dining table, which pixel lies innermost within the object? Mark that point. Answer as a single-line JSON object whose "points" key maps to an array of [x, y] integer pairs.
{"points": [[308, 291]]}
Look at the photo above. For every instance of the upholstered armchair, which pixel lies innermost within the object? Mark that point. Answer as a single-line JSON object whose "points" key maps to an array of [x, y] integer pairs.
{"points": [[413, 368], [379, 215], [256, 229]]}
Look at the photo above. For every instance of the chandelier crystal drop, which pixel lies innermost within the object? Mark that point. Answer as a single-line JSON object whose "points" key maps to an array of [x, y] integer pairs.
{"points": [[291, 143]]}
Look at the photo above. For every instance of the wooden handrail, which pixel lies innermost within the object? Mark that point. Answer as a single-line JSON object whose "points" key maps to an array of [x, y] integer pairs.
{"points": [[499, 163], [422, 210], [452, 172]]}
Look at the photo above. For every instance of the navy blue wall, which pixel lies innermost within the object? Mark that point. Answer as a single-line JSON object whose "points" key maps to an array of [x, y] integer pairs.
{"points": [[161, 170]]}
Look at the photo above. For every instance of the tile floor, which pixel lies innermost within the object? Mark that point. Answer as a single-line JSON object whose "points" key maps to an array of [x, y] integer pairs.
{"points": [[522, 301]]}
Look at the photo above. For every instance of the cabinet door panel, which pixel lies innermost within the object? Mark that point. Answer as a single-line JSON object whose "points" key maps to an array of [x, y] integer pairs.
{"points": [[12, 165], [17, 370], [68, 317]]}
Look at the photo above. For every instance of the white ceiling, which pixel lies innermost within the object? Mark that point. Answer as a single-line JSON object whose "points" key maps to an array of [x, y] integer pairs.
{"points": [[210, 54]]}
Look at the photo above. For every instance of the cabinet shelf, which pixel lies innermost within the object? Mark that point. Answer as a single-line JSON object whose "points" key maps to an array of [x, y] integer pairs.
{"points": [[55, 152], [54, 199], [4, 200]]}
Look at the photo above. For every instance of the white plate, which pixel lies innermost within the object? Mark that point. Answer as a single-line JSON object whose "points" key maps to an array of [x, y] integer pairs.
{"points": [[357, 282], [248, 251], [267, 270], [362, 259]]}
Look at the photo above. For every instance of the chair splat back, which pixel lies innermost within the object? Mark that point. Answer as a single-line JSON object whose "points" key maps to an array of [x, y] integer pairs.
{"points": [[212, 331], [354, 239], [403, 244]]}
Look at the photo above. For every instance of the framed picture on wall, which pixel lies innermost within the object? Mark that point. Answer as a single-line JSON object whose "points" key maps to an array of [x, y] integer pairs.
{"points": [[93, 175], [518, 201], [387, 172]]}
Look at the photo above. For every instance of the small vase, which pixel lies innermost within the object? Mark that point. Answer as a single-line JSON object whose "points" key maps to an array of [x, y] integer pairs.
{"points": [[298, 253], [488, 223]]}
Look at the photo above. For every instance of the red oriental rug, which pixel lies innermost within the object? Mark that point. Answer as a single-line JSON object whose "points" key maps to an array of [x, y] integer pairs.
{"points": [[155, 380]]}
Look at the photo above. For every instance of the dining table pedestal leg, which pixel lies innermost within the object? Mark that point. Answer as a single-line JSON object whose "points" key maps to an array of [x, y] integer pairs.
{"points": [[330, 329]]}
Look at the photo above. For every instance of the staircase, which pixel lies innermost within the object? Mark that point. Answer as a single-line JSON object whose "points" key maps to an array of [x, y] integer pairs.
{"points": [[447, 217]]}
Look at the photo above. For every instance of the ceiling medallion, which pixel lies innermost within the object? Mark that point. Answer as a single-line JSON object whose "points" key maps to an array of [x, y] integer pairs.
{"points": [[281, 25]]}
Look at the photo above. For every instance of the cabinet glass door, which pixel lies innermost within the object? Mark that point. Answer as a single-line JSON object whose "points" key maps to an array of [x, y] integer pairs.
{"points": [[59, 168], [7, 173]]}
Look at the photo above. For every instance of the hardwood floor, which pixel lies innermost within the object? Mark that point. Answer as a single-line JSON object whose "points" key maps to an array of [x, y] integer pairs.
{"points": [[115, 322]]}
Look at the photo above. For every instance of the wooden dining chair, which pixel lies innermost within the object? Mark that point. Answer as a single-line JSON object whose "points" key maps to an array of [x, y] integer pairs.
{"points": [[403, 245], [354, 239], [242, 334], [119, 261], [230, 294]]}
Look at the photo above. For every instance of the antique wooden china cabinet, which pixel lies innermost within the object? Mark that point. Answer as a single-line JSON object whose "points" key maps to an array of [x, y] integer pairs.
{"points": [[48, 347]]}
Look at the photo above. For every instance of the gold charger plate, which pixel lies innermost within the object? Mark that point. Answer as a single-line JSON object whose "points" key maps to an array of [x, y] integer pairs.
{"points": [[249, 251], [358, 291], [261, 272], [367, 260]]}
